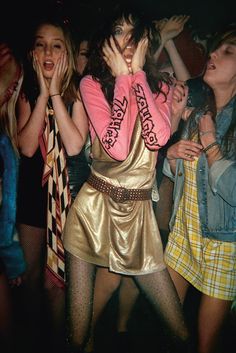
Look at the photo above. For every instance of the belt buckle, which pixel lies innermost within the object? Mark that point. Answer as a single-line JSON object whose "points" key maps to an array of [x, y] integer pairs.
{"points": [[119, 194]]}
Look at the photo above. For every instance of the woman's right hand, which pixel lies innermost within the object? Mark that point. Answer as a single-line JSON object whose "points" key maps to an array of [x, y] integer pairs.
{"points": [[43, 84], [184, 149], [114, 59]]}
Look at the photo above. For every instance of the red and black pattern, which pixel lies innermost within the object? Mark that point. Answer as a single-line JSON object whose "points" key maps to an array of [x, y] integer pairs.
{"points": [[146, 118], [118, 113], [59, 199]]}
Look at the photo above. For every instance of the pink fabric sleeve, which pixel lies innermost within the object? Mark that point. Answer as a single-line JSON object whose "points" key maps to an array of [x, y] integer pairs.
{"points": [[113, 126], [154, 110]]}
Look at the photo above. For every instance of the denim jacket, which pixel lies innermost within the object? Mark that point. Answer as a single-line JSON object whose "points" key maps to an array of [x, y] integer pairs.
{"points": [[216, 186]]}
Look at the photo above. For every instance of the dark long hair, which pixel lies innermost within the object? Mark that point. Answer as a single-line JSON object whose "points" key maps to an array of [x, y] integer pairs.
{"points": [[228, 143], [98, 68]]}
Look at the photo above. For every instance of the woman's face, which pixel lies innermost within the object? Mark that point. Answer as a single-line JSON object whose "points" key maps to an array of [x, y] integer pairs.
{"points": [[48, 47], [122, 33], [221, 67], [82, 56]]}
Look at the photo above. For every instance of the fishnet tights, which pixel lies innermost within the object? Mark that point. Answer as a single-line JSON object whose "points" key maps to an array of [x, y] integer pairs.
{"points": [[160, 291], [157, 286], [79, 300]]}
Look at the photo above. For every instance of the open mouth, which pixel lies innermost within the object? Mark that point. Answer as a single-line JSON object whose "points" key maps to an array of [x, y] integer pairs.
{"points": [[48, 65]]}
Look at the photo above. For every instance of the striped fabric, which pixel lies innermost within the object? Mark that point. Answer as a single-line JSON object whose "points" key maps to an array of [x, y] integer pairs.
{"points": [[209, 265], [59, 199]]}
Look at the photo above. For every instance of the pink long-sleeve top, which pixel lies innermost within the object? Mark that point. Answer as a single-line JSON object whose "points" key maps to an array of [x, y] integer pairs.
{"points": [[114, 124]]}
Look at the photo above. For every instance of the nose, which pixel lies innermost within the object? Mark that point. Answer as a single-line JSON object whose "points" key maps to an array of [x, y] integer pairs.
{"points": [[213, 54], [127, 38], [48, 50]]}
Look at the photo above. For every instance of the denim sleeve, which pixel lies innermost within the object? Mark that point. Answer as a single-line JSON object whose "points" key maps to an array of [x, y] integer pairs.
{"points": [[167, 170], [222, 179]]}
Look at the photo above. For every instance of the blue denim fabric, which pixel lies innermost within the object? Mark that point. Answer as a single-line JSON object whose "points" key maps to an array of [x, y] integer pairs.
{"points": [[10, 250], [216, 186]]}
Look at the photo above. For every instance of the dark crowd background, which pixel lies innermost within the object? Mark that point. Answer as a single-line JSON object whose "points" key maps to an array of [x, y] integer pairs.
{"points": [[207, 16]]}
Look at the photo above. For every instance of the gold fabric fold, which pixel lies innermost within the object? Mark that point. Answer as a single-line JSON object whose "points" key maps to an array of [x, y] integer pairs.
{"points": [[122, 236]]}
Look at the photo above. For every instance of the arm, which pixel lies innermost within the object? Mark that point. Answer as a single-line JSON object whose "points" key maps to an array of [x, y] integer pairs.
{"points": [[170, 29], [154, 112], [113, 125], [30, 124], [73, 131]]}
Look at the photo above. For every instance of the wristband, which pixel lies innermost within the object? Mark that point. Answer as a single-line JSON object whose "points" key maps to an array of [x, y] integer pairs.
{"points": [[56, 94], [215, 143]]}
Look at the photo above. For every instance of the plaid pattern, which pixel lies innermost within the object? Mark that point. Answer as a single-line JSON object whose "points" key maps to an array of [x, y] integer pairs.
{"points": [[59, 199], [209, 265]]}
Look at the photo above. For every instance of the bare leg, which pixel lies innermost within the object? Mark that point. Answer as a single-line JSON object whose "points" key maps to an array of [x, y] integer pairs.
{"points": [[33, 242], [180, 283], [79, 300], [128, 294], [161, 292], [105, 284], [212, 315]]}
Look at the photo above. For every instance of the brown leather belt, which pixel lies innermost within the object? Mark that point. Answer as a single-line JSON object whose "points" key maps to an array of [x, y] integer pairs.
{"points": [[118, 194]]}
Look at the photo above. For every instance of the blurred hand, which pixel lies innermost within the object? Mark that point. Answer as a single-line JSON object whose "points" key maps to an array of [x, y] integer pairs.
{"points": [[171, 28], [43, 84], [184, 149], [114, 58], [58, 74], [139, 56]]}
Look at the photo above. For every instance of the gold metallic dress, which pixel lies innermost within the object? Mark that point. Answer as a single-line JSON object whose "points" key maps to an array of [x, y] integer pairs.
{"points": [[121, 236]]}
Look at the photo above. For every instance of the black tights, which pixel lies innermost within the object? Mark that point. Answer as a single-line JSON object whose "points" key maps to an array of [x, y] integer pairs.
{"points": [[157, 286]]}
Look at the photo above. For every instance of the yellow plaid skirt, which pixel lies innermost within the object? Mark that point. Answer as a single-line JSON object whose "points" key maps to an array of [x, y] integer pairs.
{"points": [[209, 265]]}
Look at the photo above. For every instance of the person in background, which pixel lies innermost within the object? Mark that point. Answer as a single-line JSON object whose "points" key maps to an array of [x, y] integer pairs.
{"points": [[12, 263], [201, 246], [106, 227], [52, 130]]}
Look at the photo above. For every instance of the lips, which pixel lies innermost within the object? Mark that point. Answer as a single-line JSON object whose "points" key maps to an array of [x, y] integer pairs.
{"points": [[210, 66], [48, 65], [128, 58]]}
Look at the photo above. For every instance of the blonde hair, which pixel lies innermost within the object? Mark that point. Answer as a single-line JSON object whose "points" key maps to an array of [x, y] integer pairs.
{"points": [[8, 122]]}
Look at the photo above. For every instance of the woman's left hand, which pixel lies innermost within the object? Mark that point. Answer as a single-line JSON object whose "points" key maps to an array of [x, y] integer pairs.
{"points": [[59, 74], [139, 56]]}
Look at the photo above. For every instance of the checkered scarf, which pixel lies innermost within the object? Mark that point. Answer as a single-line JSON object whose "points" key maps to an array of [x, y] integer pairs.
{"points": [[59, 199]]}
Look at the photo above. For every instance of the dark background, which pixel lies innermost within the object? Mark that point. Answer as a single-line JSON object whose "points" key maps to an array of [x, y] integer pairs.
{"points": [[207, 16]]}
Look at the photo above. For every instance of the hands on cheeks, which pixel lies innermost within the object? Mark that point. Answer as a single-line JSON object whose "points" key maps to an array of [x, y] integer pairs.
{"points": [[114, 58], [52, 85], [116, 62], [43, 83], [58, 74], [139, 56]]}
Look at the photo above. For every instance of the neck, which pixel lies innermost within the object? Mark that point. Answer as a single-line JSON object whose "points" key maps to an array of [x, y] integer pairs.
{"points": [[222, 97]]}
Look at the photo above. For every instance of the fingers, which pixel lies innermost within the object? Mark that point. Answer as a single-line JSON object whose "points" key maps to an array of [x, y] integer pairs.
{"points": [[180, 91], [180, 19], [188, 150]]}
